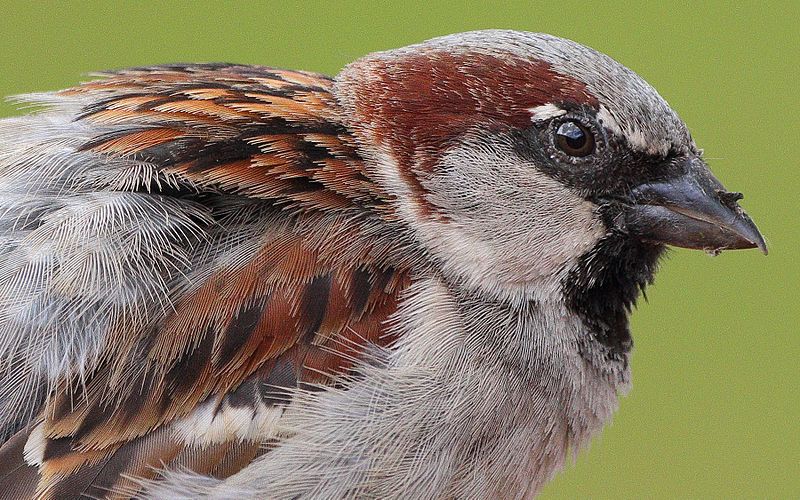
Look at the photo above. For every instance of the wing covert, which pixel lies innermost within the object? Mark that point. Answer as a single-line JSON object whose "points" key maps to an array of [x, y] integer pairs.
{"points": [[183, 247]]}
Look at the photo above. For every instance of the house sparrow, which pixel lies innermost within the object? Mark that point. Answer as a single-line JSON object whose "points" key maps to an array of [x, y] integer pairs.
{"points": [[412, 280]]}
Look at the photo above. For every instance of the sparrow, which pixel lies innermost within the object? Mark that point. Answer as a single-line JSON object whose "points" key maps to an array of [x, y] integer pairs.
{"points": [[412, 280]]}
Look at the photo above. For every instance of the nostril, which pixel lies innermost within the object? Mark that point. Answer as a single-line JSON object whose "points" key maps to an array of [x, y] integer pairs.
{"points": [[729, 199]]}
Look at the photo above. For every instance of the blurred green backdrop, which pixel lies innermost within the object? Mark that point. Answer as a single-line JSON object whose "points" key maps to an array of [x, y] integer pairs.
{"points": [[714, 409]]}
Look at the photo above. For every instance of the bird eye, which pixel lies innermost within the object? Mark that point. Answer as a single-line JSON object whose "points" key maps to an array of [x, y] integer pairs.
{"points": [[574, 139]]}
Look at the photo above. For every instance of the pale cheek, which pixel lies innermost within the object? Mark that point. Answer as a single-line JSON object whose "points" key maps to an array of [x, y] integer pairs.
{"points": [[550, 240], [509, 225], [513, 250]]}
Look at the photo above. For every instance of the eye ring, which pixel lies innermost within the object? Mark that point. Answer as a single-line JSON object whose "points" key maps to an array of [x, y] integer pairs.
{"points": [[574, 138]]}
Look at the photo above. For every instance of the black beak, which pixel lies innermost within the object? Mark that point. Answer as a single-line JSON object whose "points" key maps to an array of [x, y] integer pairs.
{"points": [[692, 211]]}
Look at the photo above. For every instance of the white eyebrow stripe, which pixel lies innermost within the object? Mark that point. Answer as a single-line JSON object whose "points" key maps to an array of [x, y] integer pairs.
{"points": [[635, 137], [545, 112]]}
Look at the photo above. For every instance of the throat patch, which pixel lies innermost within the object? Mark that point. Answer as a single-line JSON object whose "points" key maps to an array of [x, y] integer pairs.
{"points": [[604, 287]]}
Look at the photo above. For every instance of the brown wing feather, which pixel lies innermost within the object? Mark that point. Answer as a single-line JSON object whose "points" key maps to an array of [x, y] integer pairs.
{"points": [[255, 131], [17, 478], [295, 311]]}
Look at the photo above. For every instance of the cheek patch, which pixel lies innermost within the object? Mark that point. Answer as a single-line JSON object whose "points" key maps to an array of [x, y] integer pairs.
{"points": [[509, 224]]}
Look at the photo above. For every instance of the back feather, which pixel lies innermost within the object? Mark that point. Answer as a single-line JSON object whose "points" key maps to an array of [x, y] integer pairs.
{"points": [[181, 247]]}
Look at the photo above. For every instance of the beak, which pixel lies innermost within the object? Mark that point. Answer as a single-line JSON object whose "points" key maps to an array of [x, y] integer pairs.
{"points": [[692, 211]]}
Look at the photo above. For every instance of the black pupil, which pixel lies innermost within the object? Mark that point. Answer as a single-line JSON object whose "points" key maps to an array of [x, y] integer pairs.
{"points": [[573, 135]]}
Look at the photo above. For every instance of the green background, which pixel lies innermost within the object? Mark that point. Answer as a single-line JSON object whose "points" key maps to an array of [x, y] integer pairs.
{"points": [[714, 408]]}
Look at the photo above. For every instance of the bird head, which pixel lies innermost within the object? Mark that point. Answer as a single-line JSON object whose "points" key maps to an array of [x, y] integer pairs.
{"points": [[522, 161]]}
